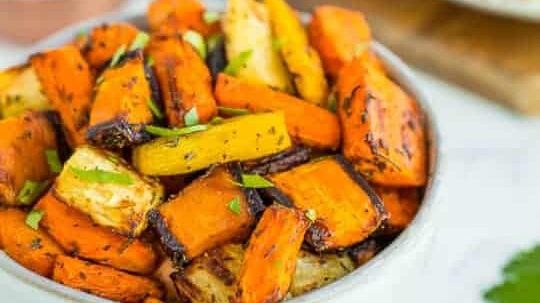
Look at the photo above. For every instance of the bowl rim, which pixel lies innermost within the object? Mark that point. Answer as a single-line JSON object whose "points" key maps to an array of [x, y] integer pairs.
{"points": [[397, 69]]}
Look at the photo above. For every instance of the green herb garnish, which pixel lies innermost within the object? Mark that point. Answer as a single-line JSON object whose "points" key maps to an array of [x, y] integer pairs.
{"points": [[521, 280], [213, 41], [53, 160], [311, 214], [120, 52], [150, 61], [156, 111], [174, 132], [331, 103], [191, 117], [237, 63], [210, 17], [140, 41], [216, 120], [100, 79], [197, 41], [234, 206], [277, 44], [31, 191], [33, 218], [255, 181], [228, 111], [101, 176]]}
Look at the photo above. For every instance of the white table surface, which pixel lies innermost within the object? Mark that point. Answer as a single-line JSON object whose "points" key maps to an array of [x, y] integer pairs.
{"points": [[489, 201]]}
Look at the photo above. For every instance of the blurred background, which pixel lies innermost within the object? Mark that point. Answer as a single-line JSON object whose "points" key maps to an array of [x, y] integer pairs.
{"points": [[479, 63]]}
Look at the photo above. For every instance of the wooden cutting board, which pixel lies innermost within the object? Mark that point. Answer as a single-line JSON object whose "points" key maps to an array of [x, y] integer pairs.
{"points": [[495, 56]]}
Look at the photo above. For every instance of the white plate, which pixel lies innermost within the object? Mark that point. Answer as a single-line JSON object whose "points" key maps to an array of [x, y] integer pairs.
{"points": [[523, 9]]}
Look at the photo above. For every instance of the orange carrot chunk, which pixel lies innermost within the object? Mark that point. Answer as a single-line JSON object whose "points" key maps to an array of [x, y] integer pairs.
{"points": [[104, 281], [401, 205], [178, 16], [338, 34], [105, 40], [307, 123], [383, 127], [33, 249], [270, 259], [68, 84], [78, 235], [184, 79]]}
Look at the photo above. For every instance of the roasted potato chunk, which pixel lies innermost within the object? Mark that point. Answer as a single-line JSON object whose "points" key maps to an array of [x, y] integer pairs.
{"points": [[120, 110], [102, 186], [20, 91], [68, 84], [347, 210], [270, 259], [210, 224], [246, 26], [237, 139], [23, 144], [383, 127], [302, 60]]}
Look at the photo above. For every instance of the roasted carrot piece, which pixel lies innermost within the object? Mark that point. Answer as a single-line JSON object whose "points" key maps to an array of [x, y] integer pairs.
{"points": [[270, 259], [23, 142], [347, 210], [104, 281], [178, 16], [184, 79], [227, 215], [338, 34], [383, 127], [33, 249], [307, 123], [68, 84], [78, 235], [121, 105], [401, 205], [105, 40]]}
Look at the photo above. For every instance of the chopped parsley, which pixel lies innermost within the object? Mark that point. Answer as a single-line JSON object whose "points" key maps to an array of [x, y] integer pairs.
{"points": [[156, 111], [238, 62], [140, 41], [521, 279], [255, 181], [234, 206], [197, 41], [174, 132], [33, 218], [101, 176], [53, 160], [120, 52], [191, 117], [229, 111], [31, 191]]}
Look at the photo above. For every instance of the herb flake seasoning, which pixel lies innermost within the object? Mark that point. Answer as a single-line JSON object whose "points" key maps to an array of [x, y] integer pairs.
{"points": [[101, 176]]}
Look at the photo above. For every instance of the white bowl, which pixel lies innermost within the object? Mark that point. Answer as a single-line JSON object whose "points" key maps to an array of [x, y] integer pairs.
{"points": [[522, 9], [391, 265]]}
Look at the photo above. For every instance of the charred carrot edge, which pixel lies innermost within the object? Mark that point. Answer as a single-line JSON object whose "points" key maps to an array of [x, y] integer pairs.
{"points": [[68, 84], [270, 259], [177, 237], [23, 142], [307, 123], [184, 78], [104, 281], [33, 249], [178, 16], [105, 40], [78, 235], [401, 204], [364, 252], [338, 34], [120, 110]]}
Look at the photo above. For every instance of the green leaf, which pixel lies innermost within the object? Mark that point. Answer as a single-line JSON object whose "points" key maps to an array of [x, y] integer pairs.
{"points": [[140, 41], [210, 17], [156, 111], [255, 181], [197, 41], [150, 61], [53, 160], [33, 218], [238, 62], [118, 55], [191, 117], [31, 191], [101, 176], [174, 132], [234, 206], [213, 41], [277, 43], [521, 280], [230, 112]]}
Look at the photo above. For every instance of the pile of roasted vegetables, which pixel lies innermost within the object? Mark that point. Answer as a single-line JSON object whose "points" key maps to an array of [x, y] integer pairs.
{"points": [[235, 157]]}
